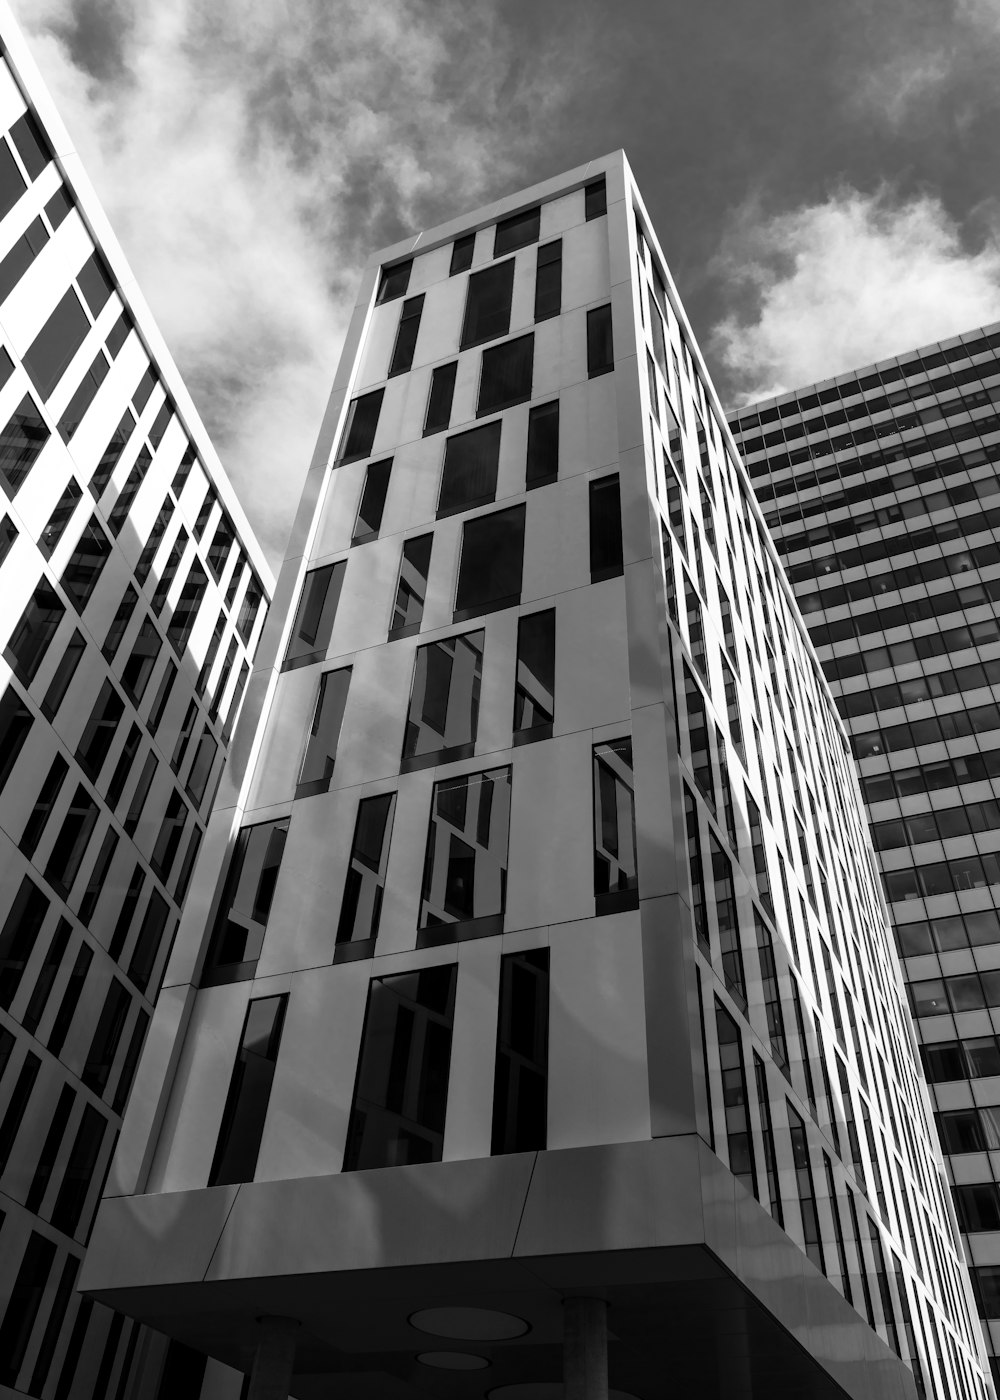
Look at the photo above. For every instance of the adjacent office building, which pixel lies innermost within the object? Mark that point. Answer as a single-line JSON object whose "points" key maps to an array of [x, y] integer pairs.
{"points": [[882, 490], [533, 1014], [132, 595]]}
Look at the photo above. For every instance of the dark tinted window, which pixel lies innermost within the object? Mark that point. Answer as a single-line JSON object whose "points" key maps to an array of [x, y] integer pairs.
{"points": [[444, 701], [465, 865], [517, 231], [107, 1037], [321, 748], [249, 1092], [24, 1303], [489, 575], [96, 284], [440, 397], [119, 623], [42, 808], [21, 441], [111, 455], [31, 144], [70, 1000], [394, 281], [139, 794], [56, 343], [15, 722], [186, 611], [54, 961], [218, 550], [369, 520], [411, 588], [506, 375], [78, 1178], [123, 502], [60, 518], [400, 1096], [462, 251], [605, 529], [71, 843], [8, 534], [471, 462], [616, 881], [595, 198], [246, 902], [169, 836], [249, 609], [85, 565], [487, 304], [521, 1078], [139, 667], [362, 903], [534, 688], [600, 351], [314, 616], [201, 767], [18, 937], [98, 875], [548, 281], [543, 445], [17, 1105], [359, 430], [406, 335], [33, 633], [12, 184]]}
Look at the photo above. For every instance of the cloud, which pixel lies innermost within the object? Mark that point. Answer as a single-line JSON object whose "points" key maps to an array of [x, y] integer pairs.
{"points": [[252, 153], [835, 285]]}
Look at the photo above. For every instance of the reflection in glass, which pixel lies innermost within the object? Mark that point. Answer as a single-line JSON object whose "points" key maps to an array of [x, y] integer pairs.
{"points": [[362, 905], [444, 701], [489, 575], [249, 1092], [321, 749], [506, 375], [471, 462], [314, 616], [369, 520], [246, 902], [411, 590], [615, 870], [534, 690], [465, 866], [487, 303]]}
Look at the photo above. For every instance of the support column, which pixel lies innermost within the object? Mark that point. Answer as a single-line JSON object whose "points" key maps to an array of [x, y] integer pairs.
{"points": [[585, 1348], [274, 1359]]}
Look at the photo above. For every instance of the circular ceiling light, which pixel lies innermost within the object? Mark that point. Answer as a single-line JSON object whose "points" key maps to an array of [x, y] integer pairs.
{"points": [[469, 1324], [453, 1360]]}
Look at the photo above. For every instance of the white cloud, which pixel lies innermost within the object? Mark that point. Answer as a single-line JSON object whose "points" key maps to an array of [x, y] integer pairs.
{"points": [[834, 286], [252, 153]]}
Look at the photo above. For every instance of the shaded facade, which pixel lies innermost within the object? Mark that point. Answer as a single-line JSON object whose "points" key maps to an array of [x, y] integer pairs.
{"points": [[132, 596], [537, 964], [881, 490]]}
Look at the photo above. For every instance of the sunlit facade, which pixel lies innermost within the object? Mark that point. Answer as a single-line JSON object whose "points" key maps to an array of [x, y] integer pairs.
{"points": [[533, 1013], [881, 489], [132, 596]]}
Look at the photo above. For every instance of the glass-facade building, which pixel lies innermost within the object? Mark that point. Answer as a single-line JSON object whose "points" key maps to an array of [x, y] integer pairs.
{"points": [[132, 596], [536, 980], [882, 491]]}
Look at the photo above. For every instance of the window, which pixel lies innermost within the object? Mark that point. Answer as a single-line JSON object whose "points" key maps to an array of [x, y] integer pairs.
{"points": [[534, 686], [94, 377], [517, 231], [359, 429], [506, 375], [739, 1134], [139, 667], [163, 693], [80, 576], [119, 623], [128, 493], [369, 520], [15, 723], [186, 611], [314, 616], [130, 1063], [24, 1303], [33, 633], [321, 749], [249, 609], [18, 937], [444, 702], [169, 573], [169, 836], [401, 1092], [411, 588], [8, 534], [238, 934], [17, 1105], [520, 1083], [616, 881], [394, 282], [78, 1177], [30, 144], [218, 550], [440, 397], [462, 251], [806, 1190], [471, 463], [49, 354], [977, 1207], [21, 442], [107, 1037], [600, 350], [487, 304], [98, 875], [465, 866], [362, 903], [42, 809], [548, 281], [72, 841], [606, 557], [595, 199], [59, 518], [489, 575], [201, 767], [406, 336], [139, 795], [249, 1092], [100, 731], [12, 184], [543, 445], [111, 455], [70, 1000]]}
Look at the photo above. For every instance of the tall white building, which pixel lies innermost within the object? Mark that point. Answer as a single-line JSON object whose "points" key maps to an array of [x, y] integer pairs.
{"points": [[533, 1013], [132, 595]]}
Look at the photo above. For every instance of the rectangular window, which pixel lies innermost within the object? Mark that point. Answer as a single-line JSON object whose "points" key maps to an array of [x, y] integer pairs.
{"points": [[170, 568], [616, 879], [440, 397], [471, 463], [98, 875], [119, 623], [359, 429], [70, 1000], [55, 960], [394, 281], [238, 935], [606, 553], [411, 587], [102, 726], [600, 348], [462, 251], [15, 723], [406, 336], [92, 380], [362, 903], [42, 809], [21, 443], [169, 836], [71, 843], [543, 445], [313, 626], [595, 199], [129, 904], [49, 354], [8, 535], [95, 282], [520, 1083], [727, 922], [465, 866], [739, 1133], [128, 493], [218, 550], [369, 520], [767, 1137], [249, 609], [149, 940], [534, 685], [19, 936], [444, 702], [506, 375], [249, 1092], [489, 575], [31, 637], [163, 694], [60, 518], [139, 795], [22, 255], [30, 144], [401, 1092], [321, 750], [139, 667], [487, 304], [204, 513], [23, 1305], [111, 456], [107, 1037], [130, 1063], [517, 231], [86, 563], [78, 1178], [12, 184], [17, 1106], [186, 611], [548, 281], [806, 1189], [201, 767]]}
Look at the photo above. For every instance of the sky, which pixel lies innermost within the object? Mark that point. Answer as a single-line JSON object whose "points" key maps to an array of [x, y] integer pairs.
{"points": [[822, 176]]}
